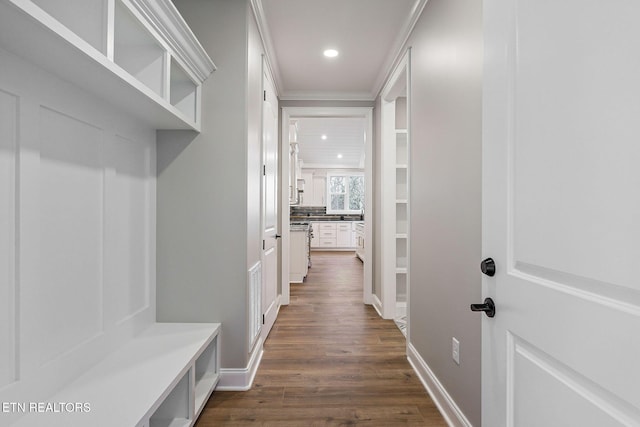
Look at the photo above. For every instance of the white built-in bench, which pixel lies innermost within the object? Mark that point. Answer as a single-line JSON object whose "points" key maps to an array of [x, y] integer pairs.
{"points": [[161, 377]]}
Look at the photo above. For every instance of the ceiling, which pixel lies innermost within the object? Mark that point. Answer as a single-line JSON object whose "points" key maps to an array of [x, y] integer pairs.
{"points": [[367, 33], [344, 136]]}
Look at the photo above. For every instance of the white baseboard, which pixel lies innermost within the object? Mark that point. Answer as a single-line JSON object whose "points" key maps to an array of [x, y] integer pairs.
{"points": [[241, 379], [445, 403], [377, 304]]}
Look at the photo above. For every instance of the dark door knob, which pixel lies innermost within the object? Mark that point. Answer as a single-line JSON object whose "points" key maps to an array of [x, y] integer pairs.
{"points": [[488, 267], [488, 307], [277, 236]]}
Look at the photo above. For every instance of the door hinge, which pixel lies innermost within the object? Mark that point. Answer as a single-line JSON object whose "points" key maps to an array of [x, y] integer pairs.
{"points": [[265, 95], [264, 170], [263, 245], [263, 319]]}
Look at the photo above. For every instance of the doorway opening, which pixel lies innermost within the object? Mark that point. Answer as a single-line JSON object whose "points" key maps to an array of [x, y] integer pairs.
{"points": [[395, 175], [331, 186]]}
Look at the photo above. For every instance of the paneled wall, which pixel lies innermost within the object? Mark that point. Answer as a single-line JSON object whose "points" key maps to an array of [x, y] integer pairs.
{"points": [[77, 229]]}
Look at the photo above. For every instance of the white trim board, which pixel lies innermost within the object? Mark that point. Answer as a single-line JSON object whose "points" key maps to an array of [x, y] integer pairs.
{"points": [[241, 379], [445, 403]]}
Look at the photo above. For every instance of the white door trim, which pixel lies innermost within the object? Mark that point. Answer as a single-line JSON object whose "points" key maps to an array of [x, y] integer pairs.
{"points": [[367, 114]]}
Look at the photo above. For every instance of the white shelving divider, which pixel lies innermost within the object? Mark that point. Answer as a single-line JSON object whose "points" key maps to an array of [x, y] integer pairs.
{"points": [[183, 91], [206, 375], [174, 410], [119, 50]]}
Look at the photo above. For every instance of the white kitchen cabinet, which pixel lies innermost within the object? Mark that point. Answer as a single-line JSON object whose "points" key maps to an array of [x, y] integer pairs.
{"points": [[343, 235], [354, 240], [293, 173], [319, 190], [327, 232], [315, 235], [360, 240], [333, 235], [308, 195], [298, 255], [314, 189]]}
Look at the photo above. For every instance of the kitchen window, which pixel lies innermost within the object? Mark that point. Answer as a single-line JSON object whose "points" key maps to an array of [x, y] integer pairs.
{"points": [[345, 193]]}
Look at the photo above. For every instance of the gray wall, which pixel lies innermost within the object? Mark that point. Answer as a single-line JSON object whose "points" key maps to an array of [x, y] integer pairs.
{"points": [[445, 115], [203, 189]]}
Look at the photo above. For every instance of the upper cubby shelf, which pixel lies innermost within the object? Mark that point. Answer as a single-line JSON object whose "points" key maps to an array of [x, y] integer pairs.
{"points": [[138, 55]]}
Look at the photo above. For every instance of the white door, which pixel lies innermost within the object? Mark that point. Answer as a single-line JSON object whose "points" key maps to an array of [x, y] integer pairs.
{"points": [[561, 213], [269, 204]]}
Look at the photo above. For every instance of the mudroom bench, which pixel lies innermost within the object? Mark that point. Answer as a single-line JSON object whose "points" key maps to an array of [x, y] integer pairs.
{"points": [[161, 377]]}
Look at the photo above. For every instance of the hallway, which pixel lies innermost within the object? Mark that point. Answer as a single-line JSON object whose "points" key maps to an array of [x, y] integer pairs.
{"points": [[329, 360]]}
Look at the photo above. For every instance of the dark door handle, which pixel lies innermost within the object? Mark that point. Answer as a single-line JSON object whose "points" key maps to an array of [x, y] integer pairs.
{"points": [[488, 267], [488, 307], [277, 236]]}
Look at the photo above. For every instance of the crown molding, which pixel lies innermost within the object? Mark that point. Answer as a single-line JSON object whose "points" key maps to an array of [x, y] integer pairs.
{"points": [[397, 51], [163, 16]]}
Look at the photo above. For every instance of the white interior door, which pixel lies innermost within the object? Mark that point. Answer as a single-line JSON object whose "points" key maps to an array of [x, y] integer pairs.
{"points": [[269, 204], [561, 213]]}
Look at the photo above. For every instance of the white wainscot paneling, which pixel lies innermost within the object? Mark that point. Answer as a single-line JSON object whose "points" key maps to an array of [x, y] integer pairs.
{"points": [[127, 206], [69, 308], [8, 122], [255, 303]]}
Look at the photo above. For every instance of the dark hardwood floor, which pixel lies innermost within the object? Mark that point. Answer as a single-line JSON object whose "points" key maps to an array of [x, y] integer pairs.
{"points": [[329, 361]]}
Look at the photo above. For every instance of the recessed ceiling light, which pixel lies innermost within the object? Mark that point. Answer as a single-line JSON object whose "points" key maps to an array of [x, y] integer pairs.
{"points": [[324, 137], [330, 53], [339, 156]]}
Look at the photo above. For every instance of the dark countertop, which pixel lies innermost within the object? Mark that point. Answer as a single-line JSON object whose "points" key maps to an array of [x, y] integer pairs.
{"points": [[299, 227], [317, 218]]}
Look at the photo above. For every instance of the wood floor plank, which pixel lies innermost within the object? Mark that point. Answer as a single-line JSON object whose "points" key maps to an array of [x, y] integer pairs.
{"points": [[329, 361]]}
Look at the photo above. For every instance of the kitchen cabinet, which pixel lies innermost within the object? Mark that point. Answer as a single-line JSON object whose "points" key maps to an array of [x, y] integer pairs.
{"points": [[360, 240], [327, 232], [293, 173], [315, 235], [308, 195], [314, 189], [298, 254], [332, 235], [354, 239], [343, 235], [319, 183]]}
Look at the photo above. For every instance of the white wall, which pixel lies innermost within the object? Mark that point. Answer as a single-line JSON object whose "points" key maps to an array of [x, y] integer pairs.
{"points": [[445, 116], [77, 220]]}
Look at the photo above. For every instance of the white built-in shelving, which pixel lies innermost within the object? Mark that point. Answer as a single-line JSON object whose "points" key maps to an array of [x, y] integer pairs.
{"points": [[138, 55], [402, 201], [396, 194]]}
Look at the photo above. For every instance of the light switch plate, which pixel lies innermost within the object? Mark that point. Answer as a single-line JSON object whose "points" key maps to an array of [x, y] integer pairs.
{"points": [[455, 350]]}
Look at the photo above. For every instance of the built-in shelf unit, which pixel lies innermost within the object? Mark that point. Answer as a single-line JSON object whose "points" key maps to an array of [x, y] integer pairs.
{"points": [[93, 80], [139, 55], [395, 192]]}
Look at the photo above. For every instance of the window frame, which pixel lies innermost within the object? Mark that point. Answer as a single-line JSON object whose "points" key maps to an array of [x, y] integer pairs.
{"points": [[347, 176]]}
